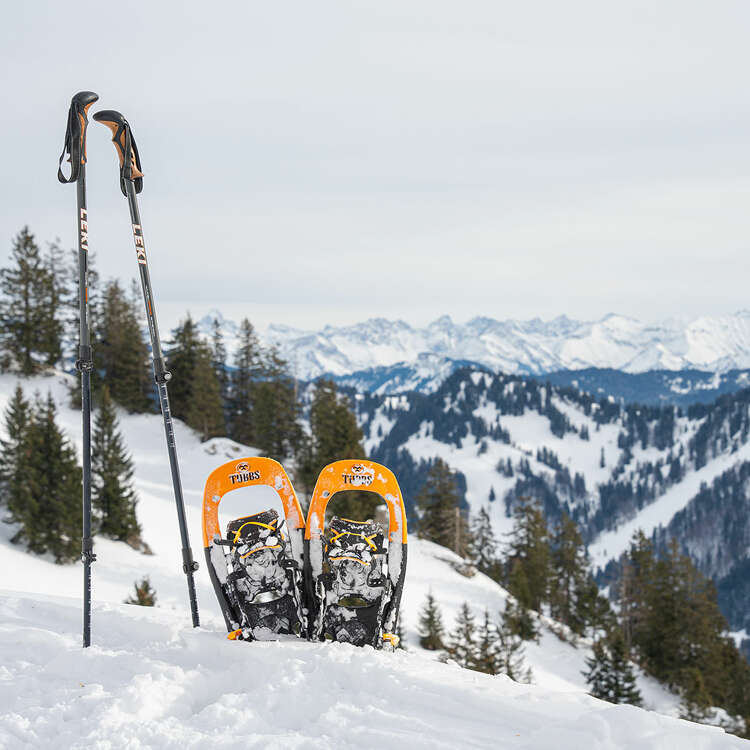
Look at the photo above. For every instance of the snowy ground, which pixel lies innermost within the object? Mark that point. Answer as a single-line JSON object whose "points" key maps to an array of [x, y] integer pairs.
{"points": [[153, 682], [150, 681]]}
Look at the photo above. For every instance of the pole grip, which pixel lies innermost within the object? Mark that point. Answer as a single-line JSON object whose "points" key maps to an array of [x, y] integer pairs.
{"points": [[127, 151], [75, 135]]}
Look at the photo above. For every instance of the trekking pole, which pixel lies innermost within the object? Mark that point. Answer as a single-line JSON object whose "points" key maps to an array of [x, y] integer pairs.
{"points": [[131, 182], [75, 147]]}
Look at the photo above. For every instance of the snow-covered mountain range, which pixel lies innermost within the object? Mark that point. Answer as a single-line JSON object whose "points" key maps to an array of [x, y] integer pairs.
{"points": [[715, 344]]}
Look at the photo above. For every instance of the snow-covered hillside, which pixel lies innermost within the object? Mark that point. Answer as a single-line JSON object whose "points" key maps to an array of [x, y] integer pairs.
{"points": [[614, 469], [533, 346], [150, 681]]}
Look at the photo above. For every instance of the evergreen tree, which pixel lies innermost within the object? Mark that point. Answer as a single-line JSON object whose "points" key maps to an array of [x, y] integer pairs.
{"points": [[194, 389], [528, 559], [670, 614], [276, 411], [484, 546], [49, 510], [431, 632], [15, 458], [144, 596], [610, 674], [113, 496], [205, 412], [247, 364], [462, 641], [121, 357], [219, 359], [569, 565], [335, 436], [441, 520], [487, 657], [593, 609], [519, 619], [509, 646], [54, 304], [27, 308]]}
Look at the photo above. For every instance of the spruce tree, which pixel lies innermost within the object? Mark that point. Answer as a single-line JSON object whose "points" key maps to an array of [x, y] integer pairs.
{"points": [[205, 412], [431, 631], [49, 511], [27, 307], [487, 657], [121, 357], [483, 546], [144, 595], [610, 674], [569, 569], [678, 634], [54, 304], [219, 359], [441, 519], [335, 436], [15, 459], [518, 616], [247, 370], [194, 388], [509, 647], [113, 496], [276, 411], [529, 553], [462, 640]]}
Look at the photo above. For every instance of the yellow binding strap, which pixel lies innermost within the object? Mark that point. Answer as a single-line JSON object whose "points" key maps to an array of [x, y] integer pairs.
{"points": [[391, 638]]}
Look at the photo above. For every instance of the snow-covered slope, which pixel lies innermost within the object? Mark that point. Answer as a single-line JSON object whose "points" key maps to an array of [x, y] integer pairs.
{"points": [[150, 681], [533, 346]]}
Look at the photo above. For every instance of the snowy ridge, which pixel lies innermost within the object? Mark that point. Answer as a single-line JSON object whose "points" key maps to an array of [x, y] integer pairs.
{"points": [[535, 346]]}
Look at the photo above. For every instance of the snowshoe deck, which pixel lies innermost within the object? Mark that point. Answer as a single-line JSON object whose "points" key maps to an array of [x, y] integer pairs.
{"points": [[354, 572], [256, 569]]}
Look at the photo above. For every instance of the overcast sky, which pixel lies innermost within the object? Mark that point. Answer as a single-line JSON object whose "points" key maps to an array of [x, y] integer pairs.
{"points": [[324, 162]]}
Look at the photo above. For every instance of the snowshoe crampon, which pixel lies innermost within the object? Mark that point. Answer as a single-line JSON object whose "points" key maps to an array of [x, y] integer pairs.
{"points": [[354, 570], [256, 569]]}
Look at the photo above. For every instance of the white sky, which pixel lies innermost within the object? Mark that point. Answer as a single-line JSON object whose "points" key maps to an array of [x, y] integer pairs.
{"points": [[324, 162]]}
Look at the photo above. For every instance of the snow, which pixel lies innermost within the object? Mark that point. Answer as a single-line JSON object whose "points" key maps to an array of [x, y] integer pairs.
{"points": [[534, 346], [151, 681], [611, 544]]}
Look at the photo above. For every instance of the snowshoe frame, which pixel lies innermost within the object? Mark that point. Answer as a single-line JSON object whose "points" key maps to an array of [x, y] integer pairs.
{"points": [[235, 474], [355, 474]]}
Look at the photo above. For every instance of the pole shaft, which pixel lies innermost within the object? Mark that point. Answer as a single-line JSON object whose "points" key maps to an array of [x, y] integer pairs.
{"points": [[160, 376], [84, 358]]}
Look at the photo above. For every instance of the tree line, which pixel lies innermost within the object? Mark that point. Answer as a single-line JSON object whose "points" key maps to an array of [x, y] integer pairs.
{"points": [[664, 616], [250, 397]]}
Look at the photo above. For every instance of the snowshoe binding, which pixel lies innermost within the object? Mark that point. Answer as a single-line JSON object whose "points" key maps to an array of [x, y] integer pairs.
{"points": [[256, 569], [354, 570]]}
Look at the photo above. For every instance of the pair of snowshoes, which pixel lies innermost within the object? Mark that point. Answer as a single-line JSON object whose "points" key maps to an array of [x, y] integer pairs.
{"points": [[276, 578]]}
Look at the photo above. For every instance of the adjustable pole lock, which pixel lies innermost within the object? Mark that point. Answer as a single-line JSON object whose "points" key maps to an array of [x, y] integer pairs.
{"points": [[188, 564], [87, 553]]}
